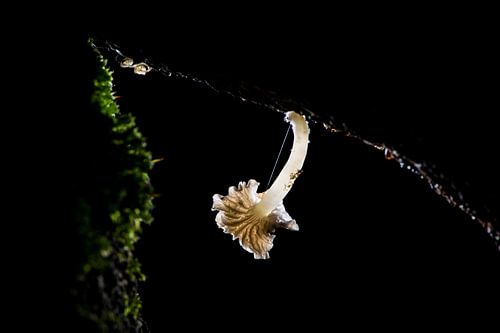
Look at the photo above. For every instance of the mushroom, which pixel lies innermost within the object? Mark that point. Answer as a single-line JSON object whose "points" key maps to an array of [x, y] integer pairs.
{"points": [[253, 217], [141, 68]]}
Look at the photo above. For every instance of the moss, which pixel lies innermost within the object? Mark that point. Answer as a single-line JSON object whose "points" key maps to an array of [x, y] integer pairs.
{"points": [[111, 211]]}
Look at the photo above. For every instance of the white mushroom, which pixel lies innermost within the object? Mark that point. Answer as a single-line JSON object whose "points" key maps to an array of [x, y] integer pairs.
{"points": [[253, 217], [127, 62], [141, 68]]}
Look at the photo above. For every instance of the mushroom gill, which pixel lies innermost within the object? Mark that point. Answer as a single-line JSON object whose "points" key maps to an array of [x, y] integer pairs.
{"points": [[253, 217]]}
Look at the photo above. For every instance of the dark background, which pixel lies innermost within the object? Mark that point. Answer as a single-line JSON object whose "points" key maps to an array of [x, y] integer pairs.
{"points": [[375, 243], [374, 239]]}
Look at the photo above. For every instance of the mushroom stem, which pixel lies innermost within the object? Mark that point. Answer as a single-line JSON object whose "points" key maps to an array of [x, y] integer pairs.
{"points": [[276, 193]]}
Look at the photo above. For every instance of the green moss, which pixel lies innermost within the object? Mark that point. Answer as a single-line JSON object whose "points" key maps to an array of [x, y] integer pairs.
{"points": [[111, 211]]}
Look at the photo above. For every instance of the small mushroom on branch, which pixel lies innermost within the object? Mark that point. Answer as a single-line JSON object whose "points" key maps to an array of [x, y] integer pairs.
{"points": [[253, 217]]}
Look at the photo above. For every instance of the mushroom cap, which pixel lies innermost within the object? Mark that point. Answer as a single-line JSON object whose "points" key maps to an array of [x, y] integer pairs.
{"points": [[238, 217]]}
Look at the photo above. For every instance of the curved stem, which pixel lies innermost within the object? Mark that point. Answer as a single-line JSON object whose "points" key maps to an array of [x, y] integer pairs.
{"points": [[283, 183]]}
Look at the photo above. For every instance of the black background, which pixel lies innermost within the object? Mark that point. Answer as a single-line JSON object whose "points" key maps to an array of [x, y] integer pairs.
{"points": [[372, 235], [375, 242]]}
